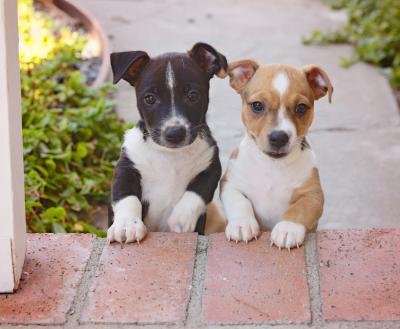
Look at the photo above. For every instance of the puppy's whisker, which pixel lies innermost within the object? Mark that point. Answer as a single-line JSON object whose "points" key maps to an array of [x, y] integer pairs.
{"points": [[199, 125], [154, 133], [201, 129]]}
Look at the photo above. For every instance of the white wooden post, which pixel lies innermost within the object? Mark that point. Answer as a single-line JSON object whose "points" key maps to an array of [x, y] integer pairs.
{"points": [[12, 209]]}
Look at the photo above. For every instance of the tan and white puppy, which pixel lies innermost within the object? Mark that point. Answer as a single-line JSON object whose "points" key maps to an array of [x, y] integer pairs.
{"points": [[272, 180]]}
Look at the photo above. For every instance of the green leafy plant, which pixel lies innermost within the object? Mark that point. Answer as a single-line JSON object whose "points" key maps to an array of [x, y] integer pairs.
{"points": [[71, 134], [373, 28]]}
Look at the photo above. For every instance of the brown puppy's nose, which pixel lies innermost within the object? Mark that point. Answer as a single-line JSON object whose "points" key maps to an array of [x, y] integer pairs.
{"points": [[175, 134], [278, 138]]}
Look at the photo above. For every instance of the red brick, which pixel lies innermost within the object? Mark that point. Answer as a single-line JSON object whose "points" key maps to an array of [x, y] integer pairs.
{"points": [[360, 274], [254, 283], [146, 283], [53, 268]]}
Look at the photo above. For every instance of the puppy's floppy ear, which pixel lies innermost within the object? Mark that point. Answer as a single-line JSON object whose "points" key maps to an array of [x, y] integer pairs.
{"points": [[318, 81], [127, 65], [209, 59], [241, 72]]}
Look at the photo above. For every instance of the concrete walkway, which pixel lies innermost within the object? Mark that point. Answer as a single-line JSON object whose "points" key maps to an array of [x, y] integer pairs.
{"points": [[356, 138]]}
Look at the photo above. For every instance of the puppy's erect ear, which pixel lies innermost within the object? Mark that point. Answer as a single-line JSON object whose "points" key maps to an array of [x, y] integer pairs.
{"points": [[318, 81], [241, 72], [127, 65], [209, 59]]}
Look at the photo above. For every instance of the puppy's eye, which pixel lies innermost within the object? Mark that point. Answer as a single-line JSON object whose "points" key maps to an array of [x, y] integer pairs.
{"points": [[257, 107], [149, 99], [301, 109], [193, 96]]}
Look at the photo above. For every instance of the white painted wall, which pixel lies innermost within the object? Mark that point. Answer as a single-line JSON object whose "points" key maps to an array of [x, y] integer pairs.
{"points": [[12, 209]]}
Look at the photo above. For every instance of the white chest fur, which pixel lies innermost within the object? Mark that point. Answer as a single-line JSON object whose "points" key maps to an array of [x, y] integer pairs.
{"points": [[268, 183], [165, 173]]}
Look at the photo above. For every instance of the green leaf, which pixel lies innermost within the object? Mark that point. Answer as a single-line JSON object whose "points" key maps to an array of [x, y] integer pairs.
{"points": [[54, 214], [81, 151], [57, 228], [51, 165], [85, 227], [76, 80]]}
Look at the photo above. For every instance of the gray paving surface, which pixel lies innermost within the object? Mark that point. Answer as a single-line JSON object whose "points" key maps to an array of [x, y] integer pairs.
{"points": [[356, 138]]}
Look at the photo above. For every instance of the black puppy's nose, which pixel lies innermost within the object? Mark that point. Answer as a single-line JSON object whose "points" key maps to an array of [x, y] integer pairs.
{"points": [[278, 138], [175, 134]]}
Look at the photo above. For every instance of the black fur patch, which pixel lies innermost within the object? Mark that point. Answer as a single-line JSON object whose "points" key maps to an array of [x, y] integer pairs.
{"points": [[127, 179], [126, 182], [145, 208], [206, 182], [201, 225], [304, 144]]}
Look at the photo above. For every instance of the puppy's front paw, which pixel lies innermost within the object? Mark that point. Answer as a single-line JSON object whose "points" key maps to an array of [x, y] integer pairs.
{"points": [[245, 231], [186, 213], [182, 221], [288, 234], [126, 230]]}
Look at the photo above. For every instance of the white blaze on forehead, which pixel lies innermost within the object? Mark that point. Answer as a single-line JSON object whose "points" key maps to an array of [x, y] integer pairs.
{"points": [[280, 83], [170, 77]]}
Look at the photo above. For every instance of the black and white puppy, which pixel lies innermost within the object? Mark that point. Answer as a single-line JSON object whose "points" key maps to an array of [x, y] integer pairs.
{"points": [[169, 166]]}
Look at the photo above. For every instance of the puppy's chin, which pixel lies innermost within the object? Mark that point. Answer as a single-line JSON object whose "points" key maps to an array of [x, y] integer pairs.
{"points": [[174, 146], [276, 155]]}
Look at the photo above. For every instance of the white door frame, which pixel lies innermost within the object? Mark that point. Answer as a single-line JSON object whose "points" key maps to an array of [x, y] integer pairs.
{"points": [[12, 207]]}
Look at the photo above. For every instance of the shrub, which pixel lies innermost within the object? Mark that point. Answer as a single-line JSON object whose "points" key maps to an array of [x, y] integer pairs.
{"points": [[71, 134], [373, 28]]}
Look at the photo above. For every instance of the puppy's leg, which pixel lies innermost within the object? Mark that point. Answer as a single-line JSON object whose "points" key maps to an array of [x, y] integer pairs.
{"points": [[242, 223], [305, 209], [193, 203], [127, 207]]}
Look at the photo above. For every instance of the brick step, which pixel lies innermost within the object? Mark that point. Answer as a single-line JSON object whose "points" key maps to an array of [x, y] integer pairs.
{"points": [[348, 277]]}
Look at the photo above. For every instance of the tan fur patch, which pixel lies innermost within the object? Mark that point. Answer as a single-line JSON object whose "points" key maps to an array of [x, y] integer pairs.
{"points": [[318, 81], [234, 153], [241, 72], [215, 222], [222, 183], [224, 178], [306, 203]]}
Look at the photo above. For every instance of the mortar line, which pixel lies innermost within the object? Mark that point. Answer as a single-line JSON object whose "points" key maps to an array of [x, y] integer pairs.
{"points": [[312, 268], [78, 303], [194, 309]]}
